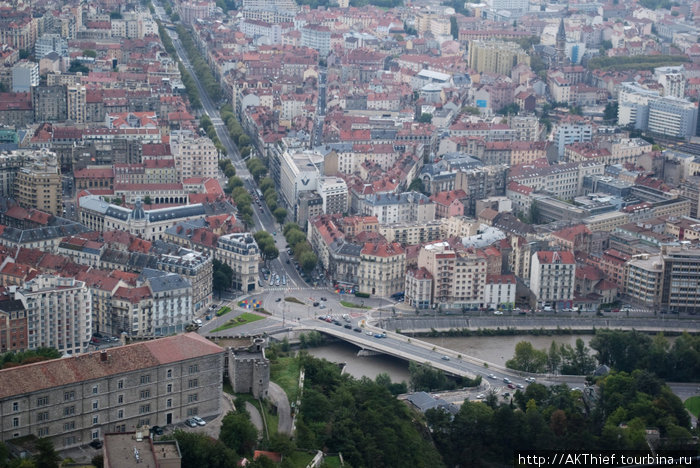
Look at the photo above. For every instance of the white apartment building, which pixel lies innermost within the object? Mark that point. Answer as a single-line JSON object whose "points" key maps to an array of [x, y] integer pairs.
{"points": [[562, 180], [334, 193], [672, 80], [316, 37], [194, 156], [552, 276], [172, 308], [382, 270], [77, 95], [399, 207], [59, 313], [48, 43], [24, 76], [499, 291], [643, 278], [567, 133], [419, 288], [271, 32]]}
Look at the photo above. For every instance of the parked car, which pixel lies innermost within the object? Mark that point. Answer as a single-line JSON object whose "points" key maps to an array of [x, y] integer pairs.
{"points": [[315, 304], [497, 312], [510, 385], [520, 386], [279, 299], [199, 421], [96, 444], [324, 299], [157, 430], [506, 380], [191, 422]]}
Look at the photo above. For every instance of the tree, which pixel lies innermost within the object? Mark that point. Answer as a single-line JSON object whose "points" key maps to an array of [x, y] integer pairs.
{"points": [[610, 112], [280, 214], [237, 432], [220, 282], [76, 66], [425, 118], [510, 109], [89, 53], [416, 185], [266, 184], [527, 358], [308, 262], [454, 27], [147, 200], [234, 182], [46, 456], [230, 171], [199, 449]]}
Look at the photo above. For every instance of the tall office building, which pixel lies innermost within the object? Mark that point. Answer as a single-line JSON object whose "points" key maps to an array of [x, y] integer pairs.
{"points": [[38, 183], [496, 56], [76, 103]]}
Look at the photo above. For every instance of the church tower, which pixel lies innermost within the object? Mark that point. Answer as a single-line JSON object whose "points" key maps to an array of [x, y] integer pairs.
{"points": [[560, 46]]}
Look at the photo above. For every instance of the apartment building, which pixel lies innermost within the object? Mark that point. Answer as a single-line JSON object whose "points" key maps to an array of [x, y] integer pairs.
{"points": [[58, 313], [496, 56], [412, 233], [459, 278], [382, 269], [197, 268], [194, 156], [400, 207], [75, 400], [25, 75], [561, 180], [552, 276], [419, 288], [643, 276], [38, 183], [680, 290], [499, 291], [242, 254], [13, 326], [77, 103], [571, 131], [335, 196]]}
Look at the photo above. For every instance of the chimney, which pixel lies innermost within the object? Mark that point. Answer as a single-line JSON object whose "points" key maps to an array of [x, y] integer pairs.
{"points": [[103, 356]]}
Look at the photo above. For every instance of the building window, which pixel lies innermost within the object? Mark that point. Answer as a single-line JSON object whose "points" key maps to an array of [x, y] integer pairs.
{"points": [[145, 379], [95, 389], [169, 388], [15, 422], [95, 419], [192, 397], [68, 426], [42, 401], [145, 394], [192, 383], [192, 411], [120, 399], [194, 368], [43, 416], [95, 404], [170, 373], [42, 432], [144, 409], [68, 410], [69, 441], [169, 403], [120, 414], [69, 396], [15, 406], [120, 384], [95, 435], [144, 422]]}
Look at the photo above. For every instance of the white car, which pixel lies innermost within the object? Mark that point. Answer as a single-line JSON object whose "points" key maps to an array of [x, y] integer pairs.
{"points": [[480, 396], [199, 421], [497, 312], [491, 376]]}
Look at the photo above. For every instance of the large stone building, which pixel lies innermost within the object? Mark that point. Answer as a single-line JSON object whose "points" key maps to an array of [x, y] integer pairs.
{"points": [[242, 254], [38, 183], [382, 269], [552, 278], [75, 400]]}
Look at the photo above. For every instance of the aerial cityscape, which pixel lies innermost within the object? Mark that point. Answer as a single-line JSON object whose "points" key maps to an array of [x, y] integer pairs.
{"points": [[358, 233]]}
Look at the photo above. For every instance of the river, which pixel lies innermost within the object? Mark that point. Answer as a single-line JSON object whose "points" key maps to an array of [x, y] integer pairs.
{"points": [[494, 349]]}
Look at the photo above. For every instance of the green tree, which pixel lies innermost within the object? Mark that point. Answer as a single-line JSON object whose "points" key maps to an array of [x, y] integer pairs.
{"points": [[199, 449], [89, 53], [280, 214], [610, 112], [425, 118], [308, 261], [266, 184], [416, 185], [46, 456], [527, 358], [147, 199], [220, 282], [454, 27], [237, 432]]}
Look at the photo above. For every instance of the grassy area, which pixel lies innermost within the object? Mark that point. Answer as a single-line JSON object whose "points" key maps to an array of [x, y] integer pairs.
{"points": [[284, 371], [223, 310], [353, 305], [693, 405], [300, 458], [293, 299], [242, 319], [332, 462], [271, 419]]}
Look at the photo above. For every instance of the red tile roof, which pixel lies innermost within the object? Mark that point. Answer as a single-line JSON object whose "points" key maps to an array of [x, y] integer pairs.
{"points": [[549, 257], [48, 375]]}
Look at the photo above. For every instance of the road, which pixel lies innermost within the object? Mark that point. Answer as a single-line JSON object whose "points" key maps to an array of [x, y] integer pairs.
{"points": [[262, 217]]}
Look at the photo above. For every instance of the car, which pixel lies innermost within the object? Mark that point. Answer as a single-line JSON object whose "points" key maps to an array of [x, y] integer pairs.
{"points": [[445, 358], [506, 380], [506, 394], [157, 430], [274, 233], [322, 306], [329, 320], [357, 330], [530, 380], [369, 333], [380, 335], [480, 396], [491, 376], [520, 386], [335, 322], [497, 312], [324, 299], [199, 421], [191, 422], [277, 282], [208, 317], [284, 281], [96, 444], [279, 299], [348, 326], [315, 304], [510, 385]]}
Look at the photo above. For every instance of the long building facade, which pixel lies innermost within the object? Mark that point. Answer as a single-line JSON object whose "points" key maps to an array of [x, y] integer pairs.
{"points": [[75, 400]]}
